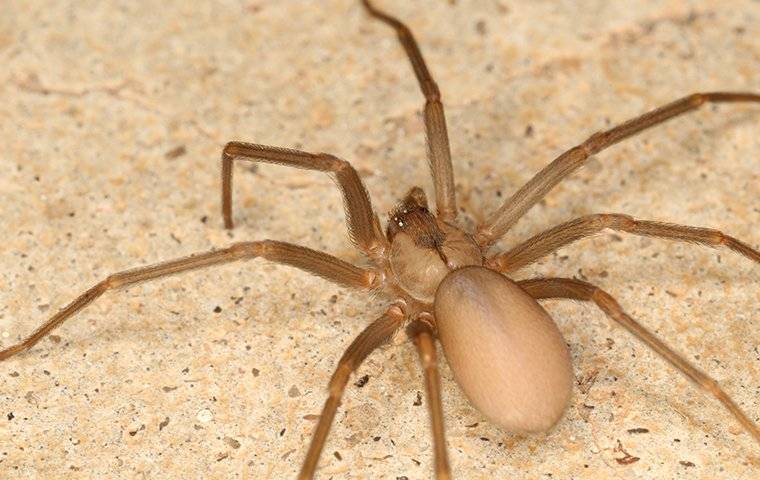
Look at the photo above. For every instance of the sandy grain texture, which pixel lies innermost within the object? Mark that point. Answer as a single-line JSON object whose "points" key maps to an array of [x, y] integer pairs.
{"points": [[112, 117]]}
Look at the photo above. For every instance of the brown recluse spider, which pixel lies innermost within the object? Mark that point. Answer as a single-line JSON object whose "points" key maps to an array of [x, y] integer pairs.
{"points": [[504, 350]]}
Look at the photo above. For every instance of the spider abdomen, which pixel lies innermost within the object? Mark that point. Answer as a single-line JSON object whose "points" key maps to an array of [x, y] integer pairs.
{"points": [[504, 349]]}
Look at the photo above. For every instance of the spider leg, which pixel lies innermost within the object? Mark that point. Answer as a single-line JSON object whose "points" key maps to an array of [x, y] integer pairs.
{"points": [[439, 154], [537, 187], [318, 263], [540, 288], [375, 335], [550, 240], [422, 334], [363, 225]]}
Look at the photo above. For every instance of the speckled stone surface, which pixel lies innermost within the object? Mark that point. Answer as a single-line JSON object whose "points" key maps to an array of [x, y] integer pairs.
{"points": [[112, 117]]}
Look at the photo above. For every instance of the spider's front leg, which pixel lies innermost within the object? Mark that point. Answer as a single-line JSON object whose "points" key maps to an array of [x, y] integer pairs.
{"points": [[500, 221], [439, 152], [363, 225]]}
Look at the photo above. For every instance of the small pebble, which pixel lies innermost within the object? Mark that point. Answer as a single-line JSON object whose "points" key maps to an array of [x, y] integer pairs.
{"points": [[204, 415]]}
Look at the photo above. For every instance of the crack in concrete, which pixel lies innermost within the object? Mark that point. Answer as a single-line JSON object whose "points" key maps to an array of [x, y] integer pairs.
{"points": [[118, 89]]}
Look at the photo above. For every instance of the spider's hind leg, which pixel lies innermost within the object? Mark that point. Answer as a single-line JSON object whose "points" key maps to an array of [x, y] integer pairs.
{"points": [[375, 335], [422, 335], [540, 288]]}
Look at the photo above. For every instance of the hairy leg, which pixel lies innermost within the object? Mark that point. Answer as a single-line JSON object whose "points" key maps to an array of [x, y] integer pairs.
{"points": [[540, 288], [312, 261], [422, 334], [547, 242], [363, 225], [376, 334], [499, 222], [439, 153]]}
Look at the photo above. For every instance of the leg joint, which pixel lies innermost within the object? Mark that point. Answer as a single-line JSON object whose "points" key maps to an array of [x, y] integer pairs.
{"points": [[696, 99], [373, 279], [593, 144], [113, 281], [719, 238], [431, 91], [428, 359], [602, 298], [333, 163], [257, 249], [228, 152], [616, 221]]}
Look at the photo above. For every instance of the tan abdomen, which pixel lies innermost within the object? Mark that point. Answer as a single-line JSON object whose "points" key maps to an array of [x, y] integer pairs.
{"points": [[504, 350]]}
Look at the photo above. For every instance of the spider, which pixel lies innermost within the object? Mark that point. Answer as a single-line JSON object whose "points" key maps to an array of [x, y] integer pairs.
{"points": [[433, 269]]}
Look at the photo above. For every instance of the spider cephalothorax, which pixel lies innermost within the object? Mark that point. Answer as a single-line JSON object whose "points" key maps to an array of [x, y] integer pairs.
{"points": [[425, 249]]}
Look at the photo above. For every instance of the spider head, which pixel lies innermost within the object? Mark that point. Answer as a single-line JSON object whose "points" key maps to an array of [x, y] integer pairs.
{"points": [[424, 249], [413, 218]]}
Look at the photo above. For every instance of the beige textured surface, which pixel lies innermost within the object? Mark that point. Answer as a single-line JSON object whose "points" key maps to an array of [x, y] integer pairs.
{"points": [[153, 383]]}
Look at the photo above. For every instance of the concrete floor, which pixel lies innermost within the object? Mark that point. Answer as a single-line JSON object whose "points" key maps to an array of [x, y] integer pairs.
{"points": [[113, 117]]}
